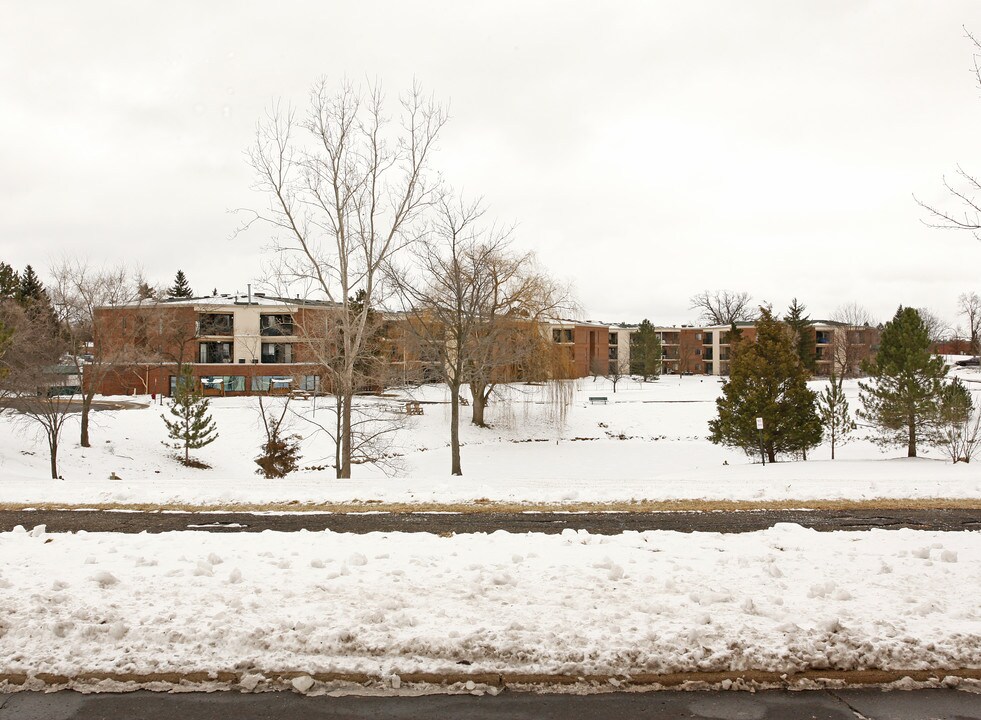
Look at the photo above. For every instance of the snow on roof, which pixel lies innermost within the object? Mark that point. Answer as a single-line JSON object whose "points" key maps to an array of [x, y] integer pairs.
{"points": [[230, 299]]}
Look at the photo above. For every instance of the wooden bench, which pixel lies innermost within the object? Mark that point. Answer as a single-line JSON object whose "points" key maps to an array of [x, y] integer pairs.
{"points": [[598, 400], [413, 408]]}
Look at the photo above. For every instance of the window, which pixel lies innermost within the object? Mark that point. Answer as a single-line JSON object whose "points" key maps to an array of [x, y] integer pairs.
{"points": [[277, 353], [275, 325], [310, 383], [562, 335], [614, 339], [223, 383], [216, 324], [215, 352], [613, 352], [708, 338], [267, 383]]}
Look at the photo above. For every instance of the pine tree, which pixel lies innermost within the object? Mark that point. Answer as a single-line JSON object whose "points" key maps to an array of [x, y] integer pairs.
{"points": [[804, 335], [906, 382], [192, 427], [181, 288], [9, 282], [30, 289], [645, 351], [766, 380], [834, 413]]}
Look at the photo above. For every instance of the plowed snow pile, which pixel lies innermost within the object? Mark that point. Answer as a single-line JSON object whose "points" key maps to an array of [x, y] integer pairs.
{"points": [[783, 599]]}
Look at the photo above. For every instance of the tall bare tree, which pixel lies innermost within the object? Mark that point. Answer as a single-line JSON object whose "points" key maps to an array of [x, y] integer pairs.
{"points": [[346, 190], [937, 328], [723, 307], [964, 188], [848, 349], [468, 299], [969, 305], [95, 349], [33, 376]]}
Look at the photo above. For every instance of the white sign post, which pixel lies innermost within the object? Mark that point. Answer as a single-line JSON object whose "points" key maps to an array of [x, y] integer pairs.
{"points": [[759, 431]]}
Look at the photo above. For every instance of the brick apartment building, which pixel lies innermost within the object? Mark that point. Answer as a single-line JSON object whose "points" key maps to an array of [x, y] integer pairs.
{"points": [[706, 349], [234, 344], [244, 344]]}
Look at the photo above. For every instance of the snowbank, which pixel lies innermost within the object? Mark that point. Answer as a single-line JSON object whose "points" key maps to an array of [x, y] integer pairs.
{"points": [[785, 599]]}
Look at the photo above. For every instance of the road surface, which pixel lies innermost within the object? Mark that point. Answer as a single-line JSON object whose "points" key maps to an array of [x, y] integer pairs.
{"points": [[871, 704], [598, 523]]}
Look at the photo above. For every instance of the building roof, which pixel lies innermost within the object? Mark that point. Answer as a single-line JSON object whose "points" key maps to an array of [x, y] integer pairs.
{"points": [[228, 299]]}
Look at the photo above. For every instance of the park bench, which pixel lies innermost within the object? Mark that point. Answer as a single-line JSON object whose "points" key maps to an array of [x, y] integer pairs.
{"points": [[598, 400], [413, 408]]}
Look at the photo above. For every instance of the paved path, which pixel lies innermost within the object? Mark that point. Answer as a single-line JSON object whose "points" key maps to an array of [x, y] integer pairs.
{"points": [[770, 705], [599, 523]]}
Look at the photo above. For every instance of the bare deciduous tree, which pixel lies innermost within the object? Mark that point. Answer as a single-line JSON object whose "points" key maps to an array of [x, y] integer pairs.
{"points": [[473, 307], [346, 189], [77, 290], [964, 189], [33, 377], [617, 369], [722, 307], [848, 350], [938, 329], [969, 305]]}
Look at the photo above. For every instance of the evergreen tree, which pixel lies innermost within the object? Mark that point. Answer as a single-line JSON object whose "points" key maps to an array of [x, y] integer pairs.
{"points": [[906, 382], [766, 380], [834, 413], [9, 282], [804, 335], [181, 288], [30, 289], [645, 351], [192, 427]]}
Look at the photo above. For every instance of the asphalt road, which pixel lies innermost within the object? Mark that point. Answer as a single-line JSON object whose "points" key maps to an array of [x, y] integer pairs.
{"points": [[770, 705], [598, 523]]}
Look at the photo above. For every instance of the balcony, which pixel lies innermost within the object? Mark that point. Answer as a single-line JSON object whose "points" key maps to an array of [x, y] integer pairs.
{"points": [[276, 325], [214, 352], [276, 353], [216, 324]]}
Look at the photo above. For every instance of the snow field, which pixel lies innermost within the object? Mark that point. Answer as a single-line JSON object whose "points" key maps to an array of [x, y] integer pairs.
{"points": [[785, 599], [647, 444]]}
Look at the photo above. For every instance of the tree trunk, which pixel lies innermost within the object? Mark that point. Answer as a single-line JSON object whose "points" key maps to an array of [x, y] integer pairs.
{"points": [[477, 390], [455, 468], [771, 454], [86, 407], [345, 469], [53, 449], [337, 435], [832, 446], [911, 449]]}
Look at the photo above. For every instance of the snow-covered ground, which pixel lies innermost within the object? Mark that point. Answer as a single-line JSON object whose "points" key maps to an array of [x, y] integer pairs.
{"points": [[648, 443], [785, 599]]}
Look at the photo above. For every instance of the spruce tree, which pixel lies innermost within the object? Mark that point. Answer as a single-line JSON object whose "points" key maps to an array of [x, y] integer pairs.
{"points": [[804, 335], [9, 282], [766, 380], [835, 416], [192, 427], [902, 396], [645, 351], [30, 288], [180, 288]]}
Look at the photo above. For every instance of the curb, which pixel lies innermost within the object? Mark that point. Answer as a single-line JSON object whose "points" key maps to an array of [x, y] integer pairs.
{"points": [[282, 679]]}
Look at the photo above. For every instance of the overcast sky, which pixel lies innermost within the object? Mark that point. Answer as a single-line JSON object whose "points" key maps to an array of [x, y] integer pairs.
{"points": [[646, 150]]}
